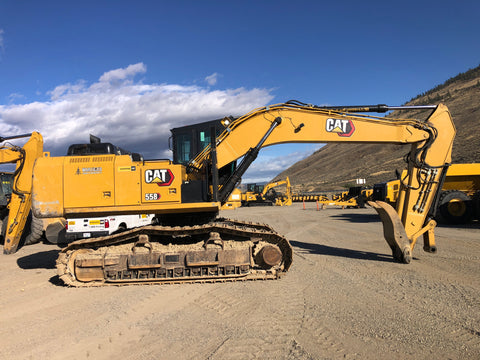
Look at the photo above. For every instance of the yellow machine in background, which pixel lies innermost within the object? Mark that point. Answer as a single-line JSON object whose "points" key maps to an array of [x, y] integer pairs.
{"points": [[188, 243], [354, 197], [234, 200], [265, 195], [281, 199], [387, 191], [252, 195], [296, 197], [459, 200], [367, 194]]}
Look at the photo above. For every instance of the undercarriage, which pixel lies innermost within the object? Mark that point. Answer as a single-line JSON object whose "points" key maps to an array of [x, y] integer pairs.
{"points": [[223, 250]]}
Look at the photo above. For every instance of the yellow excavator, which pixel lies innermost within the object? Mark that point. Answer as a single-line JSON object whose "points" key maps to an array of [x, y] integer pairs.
{"points": [[264, 195], [278, 199], [189, 243]]}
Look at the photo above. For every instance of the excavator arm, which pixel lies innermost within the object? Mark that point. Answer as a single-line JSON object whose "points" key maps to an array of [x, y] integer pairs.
{"points": [[273, 185], [429, 156], [21, 198]]}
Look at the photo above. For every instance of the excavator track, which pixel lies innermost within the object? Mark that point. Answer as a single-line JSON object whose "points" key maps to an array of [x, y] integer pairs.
{"points": [[223, 250]]}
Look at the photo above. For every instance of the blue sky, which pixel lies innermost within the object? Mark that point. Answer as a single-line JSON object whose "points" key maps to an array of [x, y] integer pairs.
{"points": [[129, 71]]}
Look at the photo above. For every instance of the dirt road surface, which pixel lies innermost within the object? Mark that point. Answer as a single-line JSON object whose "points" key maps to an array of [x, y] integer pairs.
{"points": [[344, 298]]}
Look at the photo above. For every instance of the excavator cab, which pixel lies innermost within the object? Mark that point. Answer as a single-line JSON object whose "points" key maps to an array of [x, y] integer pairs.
{"points": [[188, 141], [255, 188]]}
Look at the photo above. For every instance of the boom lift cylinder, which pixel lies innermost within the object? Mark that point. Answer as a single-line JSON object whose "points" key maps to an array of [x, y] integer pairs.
{"points": [[245, 164]]}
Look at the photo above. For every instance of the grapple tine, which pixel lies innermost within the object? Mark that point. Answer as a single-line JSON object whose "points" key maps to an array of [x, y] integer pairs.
{"points": [[393, 231]]}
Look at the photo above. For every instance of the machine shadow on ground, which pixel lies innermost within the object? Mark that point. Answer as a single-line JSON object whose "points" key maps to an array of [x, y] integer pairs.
{"points": [[472, 225], [346, 253], [357, 218], [41, 260]]}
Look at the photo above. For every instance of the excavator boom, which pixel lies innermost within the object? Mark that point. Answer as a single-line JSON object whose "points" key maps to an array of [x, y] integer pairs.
{"points": [[430, 154]]}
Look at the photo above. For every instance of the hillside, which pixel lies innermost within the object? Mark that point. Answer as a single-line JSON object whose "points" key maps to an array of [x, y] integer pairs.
{"points": [[336, 165]]}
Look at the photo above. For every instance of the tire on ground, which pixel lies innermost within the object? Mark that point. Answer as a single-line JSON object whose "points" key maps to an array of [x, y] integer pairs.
{"points": [[35, 232], [454, 207]]}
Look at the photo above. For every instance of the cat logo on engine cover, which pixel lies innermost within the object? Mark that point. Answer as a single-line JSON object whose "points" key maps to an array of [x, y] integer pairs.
{"points": [[161, 177], [342, 127]]}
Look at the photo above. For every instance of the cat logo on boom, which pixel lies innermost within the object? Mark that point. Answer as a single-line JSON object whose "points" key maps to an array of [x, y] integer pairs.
{"points": [[342, 127], [161, 177]]}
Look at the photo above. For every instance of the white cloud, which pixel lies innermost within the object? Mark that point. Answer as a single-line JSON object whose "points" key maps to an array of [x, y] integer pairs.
{"points": [[62, 90], [123, 111], [15, 96], [117, 75], [212, 79]]}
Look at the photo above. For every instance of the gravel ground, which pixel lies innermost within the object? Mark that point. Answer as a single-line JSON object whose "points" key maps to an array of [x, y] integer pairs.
{"points": [[344, 298]]}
